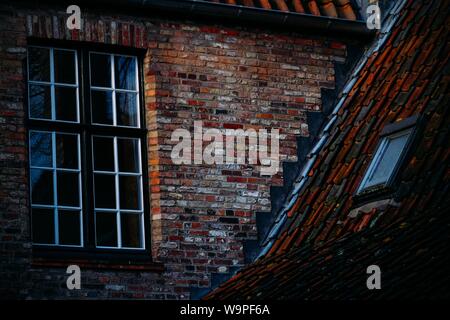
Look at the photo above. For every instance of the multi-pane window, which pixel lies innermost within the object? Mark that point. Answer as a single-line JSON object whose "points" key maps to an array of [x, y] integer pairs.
{"points": [[385, 160], [86, 175], [114, 90], [56, 188], [53, 84], [117, 191]]}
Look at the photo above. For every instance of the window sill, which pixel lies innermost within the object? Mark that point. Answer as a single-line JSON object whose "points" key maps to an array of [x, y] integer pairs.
{"points": [[95, 260], [379, 205], [98, 264]]}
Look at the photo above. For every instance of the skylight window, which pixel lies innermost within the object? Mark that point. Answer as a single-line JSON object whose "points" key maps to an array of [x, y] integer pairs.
{"points": [[386, 160]]}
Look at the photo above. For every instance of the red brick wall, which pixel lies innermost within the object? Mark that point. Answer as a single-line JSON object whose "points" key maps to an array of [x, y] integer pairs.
{"points": [[14, 214], [226, 77]]}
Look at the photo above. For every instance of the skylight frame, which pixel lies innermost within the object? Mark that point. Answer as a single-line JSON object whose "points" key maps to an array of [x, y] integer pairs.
{"points": [[368, 183]]}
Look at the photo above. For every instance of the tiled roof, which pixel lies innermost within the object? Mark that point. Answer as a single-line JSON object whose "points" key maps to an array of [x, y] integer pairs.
{"points": [[405, 73], [413, 257], [329, 8]]}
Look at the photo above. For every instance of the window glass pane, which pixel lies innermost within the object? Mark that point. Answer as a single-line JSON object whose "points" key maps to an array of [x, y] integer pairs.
{"points": [[129, 190], [41, 186], [68, 189], [131, 230], [39, 64], [125, 72], [66, 103], [64, 66], [128, 154], [43, 226], [67, 151], [105, 194], [69, 227], [126, 109], [40, 101], [388, 160], [41, 149], [103, 149], [106, 229], [100, 70], [102, 110]]}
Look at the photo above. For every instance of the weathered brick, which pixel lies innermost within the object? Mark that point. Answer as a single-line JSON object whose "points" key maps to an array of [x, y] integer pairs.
{"points": [[231, 78]]}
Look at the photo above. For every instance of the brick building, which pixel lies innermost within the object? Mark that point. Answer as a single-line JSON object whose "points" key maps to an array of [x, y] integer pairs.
{"points": [[86, 175]]}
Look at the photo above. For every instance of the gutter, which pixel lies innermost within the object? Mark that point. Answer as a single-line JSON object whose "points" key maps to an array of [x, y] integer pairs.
{"points": [[298, 22]]}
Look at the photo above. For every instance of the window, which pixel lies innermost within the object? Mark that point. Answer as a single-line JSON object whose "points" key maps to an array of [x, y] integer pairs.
{"points": [[388, 156], [114, 90], [56, 188], [117, 191], [53, 84], [86, 154]]}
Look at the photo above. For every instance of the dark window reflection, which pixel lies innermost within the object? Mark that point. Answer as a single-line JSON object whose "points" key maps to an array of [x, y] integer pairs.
{"points": [[129, 189], [40, 101], [68, 189], [42, 186], [43, 225], [100, 70], [39, 64], [106, 229], [102, 109], [103, 148], [64, 66], [128, 154], [69, 227], [105, 194], [126, 109], [131, 230], [41, 149], [125, 72], [66, 103], [67, 151]]}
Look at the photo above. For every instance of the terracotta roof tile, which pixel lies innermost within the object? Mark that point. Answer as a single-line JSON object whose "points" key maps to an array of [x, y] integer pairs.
{"points": [[343, 9]]}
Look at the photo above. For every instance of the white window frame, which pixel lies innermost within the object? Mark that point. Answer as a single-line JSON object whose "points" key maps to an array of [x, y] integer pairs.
{"points": [[114, 90], [55, 207], [86, 129], [52, 84], [117, 210]]}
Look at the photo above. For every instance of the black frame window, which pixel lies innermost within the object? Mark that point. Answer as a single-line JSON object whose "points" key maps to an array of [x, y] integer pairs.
{"points": [[87, 148]]}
